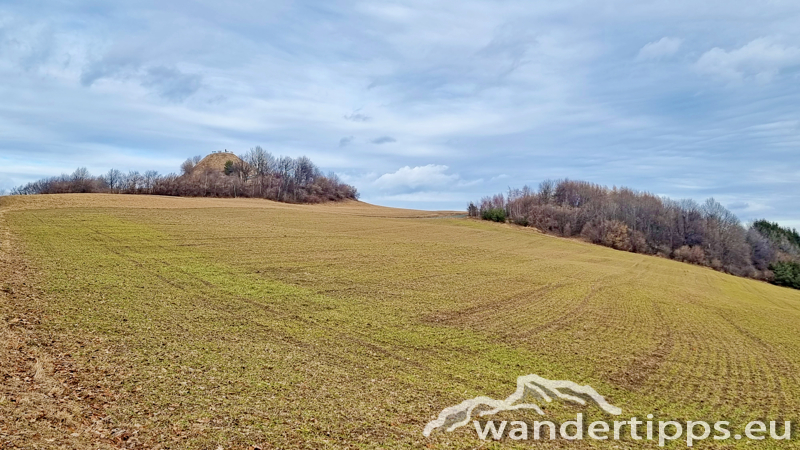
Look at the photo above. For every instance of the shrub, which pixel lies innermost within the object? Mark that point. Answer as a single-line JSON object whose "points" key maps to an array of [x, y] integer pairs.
{"points": [[786, 274], [472, 210], [615, 235], [694, 254], [521, 220], [639, 242], [494, 214], [591, 232]]}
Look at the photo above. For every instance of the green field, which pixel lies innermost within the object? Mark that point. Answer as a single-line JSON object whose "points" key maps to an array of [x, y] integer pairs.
{"points": [[202, 323]]}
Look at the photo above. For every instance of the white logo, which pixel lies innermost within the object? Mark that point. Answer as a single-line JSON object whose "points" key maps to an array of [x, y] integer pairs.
{"points": [[528, 386]]}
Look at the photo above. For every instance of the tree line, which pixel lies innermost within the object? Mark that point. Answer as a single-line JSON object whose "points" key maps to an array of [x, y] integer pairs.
{"points": [[257, 173], [706, 234]]}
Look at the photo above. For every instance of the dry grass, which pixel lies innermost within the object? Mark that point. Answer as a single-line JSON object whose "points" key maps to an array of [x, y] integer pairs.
{"points": [[216, 161], [73, 201], [235, 322]]}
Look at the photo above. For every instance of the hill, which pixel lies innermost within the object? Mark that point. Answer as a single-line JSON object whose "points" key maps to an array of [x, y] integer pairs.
{"points": [[198, 323], [707, 234], [216, 162]]}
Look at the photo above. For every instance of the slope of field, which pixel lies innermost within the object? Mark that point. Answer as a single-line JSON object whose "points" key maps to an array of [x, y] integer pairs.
{"points": [[198, 323]]}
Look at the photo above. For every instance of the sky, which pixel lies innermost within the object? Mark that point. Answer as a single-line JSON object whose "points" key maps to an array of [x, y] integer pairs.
{"points": [[418, 104]]}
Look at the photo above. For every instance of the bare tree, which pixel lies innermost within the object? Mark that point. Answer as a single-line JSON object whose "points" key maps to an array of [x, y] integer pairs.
{"points": [[285, 170], [113, 178], [242, 169], [258, 159], [187, 167], [81, 180], [81, 174], [762, 252], [149, 180], [546, 191], [134, 182], [263, 164]]}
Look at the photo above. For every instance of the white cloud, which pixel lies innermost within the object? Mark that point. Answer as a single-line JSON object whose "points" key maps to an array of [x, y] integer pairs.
{"points": [[761, 58], [408, 178], [666, 46]]}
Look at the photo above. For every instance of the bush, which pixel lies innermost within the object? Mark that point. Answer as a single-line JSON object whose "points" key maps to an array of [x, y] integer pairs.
{"points": [[615, 235], [786, 274], [494, 214], [694, 254], [521, 220], [639, 242], [592, 232], [472, 210]]}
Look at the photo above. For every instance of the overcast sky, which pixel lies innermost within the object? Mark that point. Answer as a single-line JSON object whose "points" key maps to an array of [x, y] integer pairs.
{"points": [[417, 103]]}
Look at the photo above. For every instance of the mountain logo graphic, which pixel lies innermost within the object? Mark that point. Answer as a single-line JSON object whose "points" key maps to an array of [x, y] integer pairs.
{"points": [[528, 387]]}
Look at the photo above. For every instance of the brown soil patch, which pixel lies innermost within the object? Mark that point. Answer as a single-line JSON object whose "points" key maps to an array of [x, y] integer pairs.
{"points": [[45, 400]]}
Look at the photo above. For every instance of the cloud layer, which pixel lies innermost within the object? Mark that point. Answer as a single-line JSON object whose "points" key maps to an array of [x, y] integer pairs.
{"points": [[664, 47], [412, 179], [674, 97], [762, 58]]}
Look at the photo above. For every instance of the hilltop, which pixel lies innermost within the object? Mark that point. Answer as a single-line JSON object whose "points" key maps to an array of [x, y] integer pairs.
{"points": [[216, 162], [257, 174]]}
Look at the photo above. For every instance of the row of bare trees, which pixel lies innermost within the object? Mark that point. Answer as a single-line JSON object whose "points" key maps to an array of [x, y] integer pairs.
{"points": [[256, 174], [81, 181], [706, 234]]}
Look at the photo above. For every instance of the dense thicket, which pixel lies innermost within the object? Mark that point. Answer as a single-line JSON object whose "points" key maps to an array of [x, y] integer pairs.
{"points": [[256, 174], [705, 234], [787, 274], [787, 239]]}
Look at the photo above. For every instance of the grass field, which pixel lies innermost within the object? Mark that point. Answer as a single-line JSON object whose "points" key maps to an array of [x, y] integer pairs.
{"points": [[155, 322]]}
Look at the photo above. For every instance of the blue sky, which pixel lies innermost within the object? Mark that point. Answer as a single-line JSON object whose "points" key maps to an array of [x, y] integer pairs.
{"points": [[418, 104]]}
